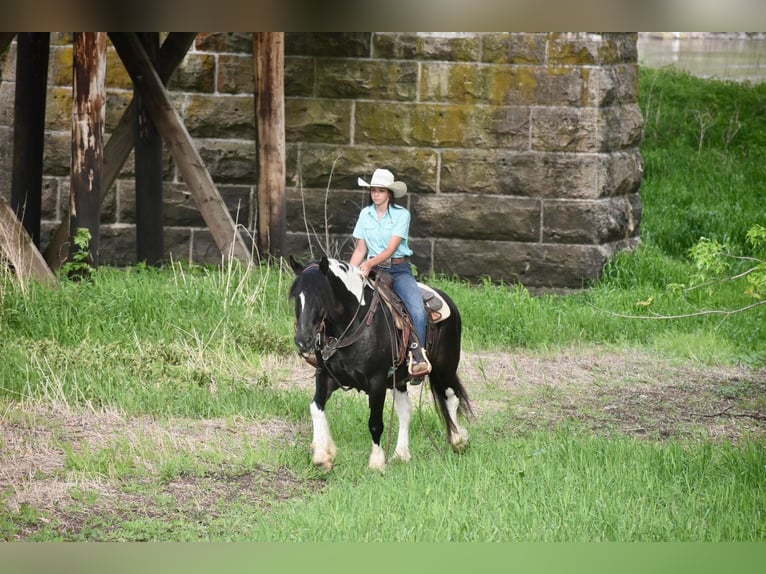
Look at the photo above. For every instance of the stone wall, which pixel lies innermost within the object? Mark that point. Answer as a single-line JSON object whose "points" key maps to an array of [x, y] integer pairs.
{"points": [[520, 150]]}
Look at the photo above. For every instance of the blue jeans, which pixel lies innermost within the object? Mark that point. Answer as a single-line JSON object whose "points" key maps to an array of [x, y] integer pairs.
{"points": [[407, 288]]}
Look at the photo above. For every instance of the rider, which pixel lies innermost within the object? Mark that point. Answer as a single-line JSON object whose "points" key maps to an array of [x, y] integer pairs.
{"points": [[381, 234]]}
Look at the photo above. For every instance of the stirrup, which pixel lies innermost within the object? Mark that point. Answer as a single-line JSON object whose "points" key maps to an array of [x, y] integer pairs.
{"points": [[419, 365]]}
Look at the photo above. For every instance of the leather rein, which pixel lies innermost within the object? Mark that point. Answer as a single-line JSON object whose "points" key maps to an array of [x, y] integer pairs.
{"points": [[328, 346]]}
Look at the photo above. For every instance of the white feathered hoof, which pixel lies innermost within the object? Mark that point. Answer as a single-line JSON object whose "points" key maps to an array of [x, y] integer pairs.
{"points": [[378, 459], [325, 457], [459, 439]]}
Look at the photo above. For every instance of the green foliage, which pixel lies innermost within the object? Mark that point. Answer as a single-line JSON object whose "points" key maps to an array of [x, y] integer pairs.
{"points": [[703, 145], [78, 266], [715, 259]]}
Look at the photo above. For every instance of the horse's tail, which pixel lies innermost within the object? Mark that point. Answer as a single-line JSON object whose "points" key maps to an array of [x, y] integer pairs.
{"points": [[445, 358]]}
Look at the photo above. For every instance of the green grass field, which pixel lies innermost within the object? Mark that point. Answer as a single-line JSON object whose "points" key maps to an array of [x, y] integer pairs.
{"points": [[149, 404]]}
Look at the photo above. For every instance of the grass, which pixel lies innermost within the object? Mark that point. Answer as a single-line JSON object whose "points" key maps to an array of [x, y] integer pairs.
{"points": [[155, 399]]}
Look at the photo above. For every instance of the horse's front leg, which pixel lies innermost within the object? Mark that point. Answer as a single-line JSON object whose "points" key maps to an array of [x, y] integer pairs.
{"points": [[404, 414], [322, 445], [377, 398]]}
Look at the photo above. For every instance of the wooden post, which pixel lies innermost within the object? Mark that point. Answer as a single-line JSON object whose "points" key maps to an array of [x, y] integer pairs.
{"points": [[148, 155], [88, 116], [269, 54], [181, 147], [117, 149], [29, 129], [5, 40], [19, 249]]}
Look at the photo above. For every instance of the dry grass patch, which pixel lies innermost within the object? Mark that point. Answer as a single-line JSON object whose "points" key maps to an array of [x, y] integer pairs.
{"points": [[624, 391]]}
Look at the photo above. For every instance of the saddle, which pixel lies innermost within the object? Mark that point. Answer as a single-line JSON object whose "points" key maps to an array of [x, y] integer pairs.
{"points": [[437, 310]]}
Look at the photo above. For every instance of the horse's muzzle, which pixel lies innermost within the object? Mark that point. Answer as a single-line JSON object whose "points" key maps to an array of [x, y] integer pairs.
{"points": [[305, 344]]}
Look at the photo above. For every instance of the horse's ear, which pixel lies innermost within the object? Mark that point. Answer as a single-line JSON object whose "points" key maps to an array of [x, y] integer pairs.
{"points": [[296, 265], [324, 264]]}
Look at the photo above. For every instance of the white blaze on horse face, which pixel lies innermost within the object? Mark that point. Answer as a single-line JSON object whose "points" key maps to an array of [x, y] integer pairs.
{"points": [[302, 299], [351, 277]]}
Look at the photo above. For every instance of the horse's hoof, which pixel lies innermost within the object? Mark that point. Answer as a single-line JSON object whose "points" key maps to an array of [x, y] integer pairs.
{"points": [[324, 461], [403, 455], [459, 440], [378, 459]]}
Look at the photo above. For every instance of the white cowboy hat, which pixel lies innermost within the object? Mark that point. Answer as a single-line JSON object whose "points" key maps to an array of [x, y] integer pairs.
{"points": [[384, 178]]}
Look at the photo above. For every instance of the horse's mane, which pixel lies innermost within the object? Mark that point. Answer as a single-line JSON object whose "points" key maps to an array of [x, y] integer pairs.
{"points": [[316, 284]]}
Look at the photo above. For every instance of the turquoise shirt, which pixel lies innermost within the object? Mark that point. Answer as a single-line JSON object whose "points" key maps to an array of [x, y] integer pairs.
{"points": [[378, 232]]}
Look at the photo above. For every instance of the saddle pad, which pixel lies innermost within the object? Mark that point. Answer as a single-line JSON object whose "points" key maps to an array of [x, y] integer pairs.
{"points": [[435, 304]]}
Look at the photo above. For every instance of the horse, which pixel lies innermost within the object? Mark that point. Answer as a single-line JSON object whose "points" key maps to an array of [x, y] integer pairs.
{"points": [[345, 331]]}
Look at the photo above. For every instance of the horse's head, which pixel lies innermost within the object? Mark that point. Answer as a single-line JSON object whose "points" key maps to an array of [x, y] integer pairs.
{"points": [[322, 290]]}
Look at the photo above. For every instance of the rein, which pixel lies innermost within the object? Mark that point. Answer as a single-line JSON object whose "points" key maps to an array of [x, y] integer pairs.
{"points": [[333, 344]]}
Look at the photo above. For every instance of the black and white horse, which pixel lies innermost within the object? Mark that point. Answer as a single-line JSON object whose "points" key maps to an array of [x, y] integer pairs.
{"points": [[349, 335]]}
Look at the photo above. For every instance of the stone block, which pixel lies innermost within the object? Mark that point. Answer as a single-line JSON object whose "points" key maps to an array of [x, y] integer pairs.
{"points": [[229, 161], [591, 221], [299, 76], [177, 243], [318, 121], [319, 212], [440, 125], [196, 73], [469, 216], [526, 174], [323, 166], [179, 207], [622, 126], [574, 48], [618, 48], [454, 46], [467, 83], [513, 48], [612, 85], [117, 245], [535, 265], [57, 153], [328, 44], [565, 129], [225, 117], [622, 172], [236, 74], [367, 79], [224, 42]]}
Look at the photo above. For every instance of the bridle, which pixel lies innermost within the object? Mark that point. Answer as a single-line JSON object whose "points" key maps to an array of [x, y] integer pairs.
{"points": [[328, 346]]}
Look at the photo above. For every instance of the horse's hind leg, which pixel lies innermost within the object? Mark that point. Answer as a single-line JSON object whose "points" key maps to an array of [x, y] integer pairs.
{"points": [[404, 414], [458, 436]]}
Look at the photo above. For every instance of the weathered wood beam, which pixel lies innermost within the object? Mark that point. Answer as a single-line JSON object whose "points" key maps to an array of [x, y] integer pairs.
{"points": [[32, 49], [180, 144], [148, 154], [18, 248], [88, 119], [118, 148], [269, 55], [5, 39]]}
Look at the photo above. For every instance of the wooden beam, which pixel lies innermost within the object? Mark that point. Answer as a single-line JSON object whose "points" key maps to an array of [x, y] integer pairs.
{"points": [[88, 118], [17, 246], [32, 49], [180, 144], [5, 40], [269, 54], [117, 150], [148, 145]]}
